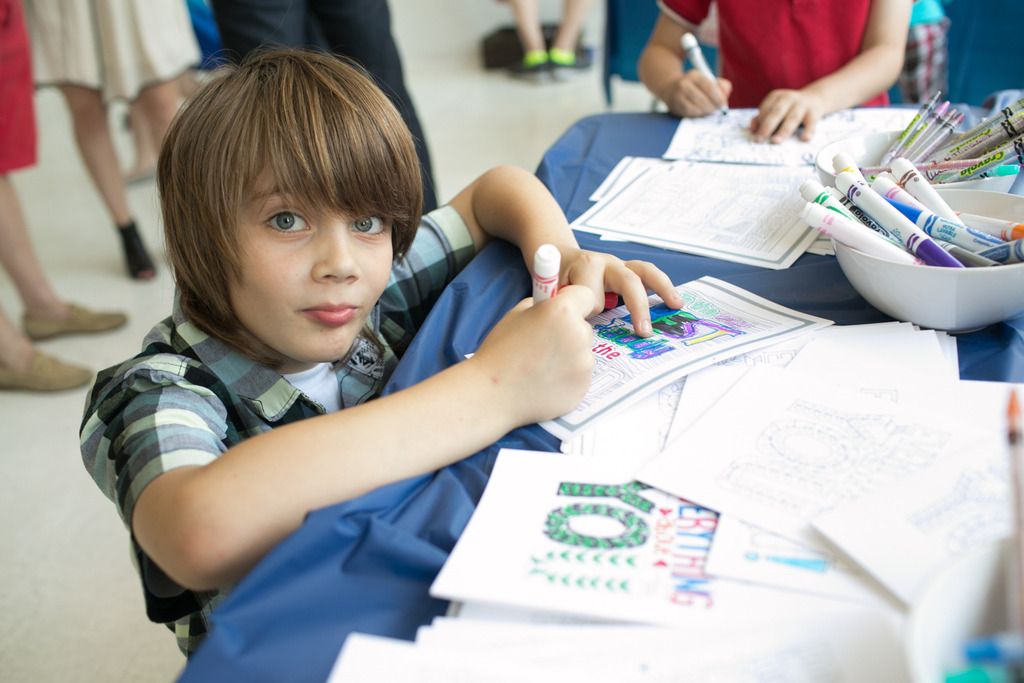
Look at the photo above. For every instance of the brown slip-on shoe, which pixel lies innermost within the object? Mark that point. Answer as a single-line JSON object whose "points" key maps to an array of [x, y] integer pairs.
{"points": [[81, 321], [45, 373]]}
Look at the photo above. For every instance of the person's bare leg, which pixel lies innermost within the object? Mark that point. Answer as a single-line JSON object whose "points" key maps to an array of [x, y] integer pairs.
{"points": [[574, 14], [142, 142], [19, 259], [92, 135], [158, 104], [188, 83], [528, 24]]}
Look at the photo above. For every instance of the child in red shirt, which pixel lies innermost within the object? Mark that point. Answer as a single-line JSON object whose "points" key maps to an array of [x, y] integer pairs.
{"points": [[796, 60]]}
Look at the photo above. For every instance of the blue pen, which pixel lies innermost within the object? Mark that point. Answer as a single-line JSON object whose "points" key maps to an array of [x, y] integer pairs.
{"points": [[947, 231], [1001, 648]]}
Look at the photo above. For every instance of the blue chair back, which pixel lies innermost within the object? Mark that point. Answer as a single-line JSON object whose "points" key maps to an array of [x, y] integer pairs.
{"points": [[984, 49], [628, 25]]}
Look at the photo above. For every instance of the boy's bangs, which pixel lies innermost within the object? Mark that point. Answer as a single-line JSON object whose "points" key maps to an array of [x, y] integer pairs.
{"points": [[325, 150]]}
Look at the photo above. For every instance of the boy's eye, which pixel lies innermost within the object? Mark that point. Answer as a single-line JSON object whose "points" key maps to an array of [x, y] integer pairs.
{"points": [[371, 225], [286, 221]]}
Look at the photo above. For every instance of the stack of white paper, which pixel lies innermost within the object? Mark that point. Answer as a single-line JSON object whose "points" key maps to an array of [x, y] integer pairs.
{"points": [[746, 214], [854, 645]]}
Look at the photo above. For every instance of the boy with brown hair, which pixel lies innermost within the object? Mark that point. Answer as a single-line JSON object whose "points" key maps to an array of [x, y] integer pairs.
{"points": [[291, 196]]}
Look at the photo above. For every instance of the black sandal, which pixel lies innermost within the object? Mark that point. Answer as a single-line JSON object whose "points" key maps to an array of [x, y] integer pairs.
{"points": [[140, 265]]}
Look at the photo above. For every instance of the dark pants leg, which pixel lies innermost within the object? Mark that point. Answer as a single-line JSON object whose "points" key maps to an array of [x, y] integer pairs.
{"points": [[357, 29]]}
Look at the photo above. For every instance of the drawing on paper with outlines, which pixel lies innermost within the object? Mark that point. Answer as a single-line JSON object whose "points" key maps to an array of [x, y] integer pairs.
{"points": [[813, 455], [728, 139], [745, 214]]}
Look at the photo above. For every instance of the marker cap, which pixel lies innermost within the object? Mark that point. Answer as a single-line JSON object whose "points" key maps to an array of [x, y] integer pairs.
{"points": [[810, 189], [844, 162], [546, 261]]}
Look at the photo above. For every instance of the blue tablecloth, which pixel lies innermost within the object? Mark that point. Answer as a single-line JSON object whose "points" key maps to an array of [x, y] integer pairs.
{"points": [[366, 565]]}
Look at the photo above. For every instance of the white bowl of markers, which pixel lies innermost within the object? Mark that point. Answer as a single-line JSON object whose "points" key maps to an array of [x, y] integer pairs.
{"points": [[867, 151], [951, 299]]}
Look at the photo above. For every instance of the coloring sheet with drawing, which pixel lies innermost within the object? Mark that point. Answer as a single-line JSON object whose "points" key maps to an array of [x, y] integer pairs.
{"points": [[797, 446], [905, 532], [717, 322], [745, 214], [727, 138], [577, 535], [744, 552]]}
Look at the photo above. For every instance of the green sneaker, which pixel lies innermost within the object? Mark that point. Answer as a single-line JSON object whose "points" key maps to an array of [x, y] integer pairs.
{"points": [[534, 65], [564, 62]]}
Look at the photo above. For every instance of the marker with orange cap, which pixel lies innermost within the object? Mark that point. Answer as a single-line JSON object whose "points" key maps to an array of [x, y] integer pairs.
{"points": [[1003, 229]]}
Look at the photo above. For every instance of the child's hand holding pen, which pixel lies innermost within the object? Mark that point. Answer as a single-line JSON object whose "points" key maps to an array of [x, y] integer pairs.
{"points": [[695, 94], [537, 358]]}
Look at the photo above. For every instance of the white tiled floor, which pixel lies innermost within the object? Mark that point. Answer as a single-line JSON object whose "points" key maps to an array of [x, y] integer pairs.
{"points": [[70, 606]]}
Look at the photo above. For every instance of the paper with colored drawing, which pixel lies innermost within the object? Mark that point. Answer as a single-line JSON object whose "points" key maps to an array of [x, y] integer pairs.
{"points": [[905, 532], [745, 214], [718, 321], [727, 138], [782, 448], [577, 535], [744, 552]]}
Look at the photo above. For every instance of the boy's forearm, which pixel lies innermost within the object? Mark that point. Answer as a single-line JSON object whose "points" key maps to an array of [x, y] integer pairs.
{"points": [[659, 69], [869, 74], [512, 204], [230, 513], [661, 62]]}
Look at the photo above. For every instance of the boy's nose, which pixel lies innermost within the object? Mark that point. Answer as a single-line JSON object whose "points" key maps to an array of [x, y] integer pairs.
{"points": [[335, 258]]}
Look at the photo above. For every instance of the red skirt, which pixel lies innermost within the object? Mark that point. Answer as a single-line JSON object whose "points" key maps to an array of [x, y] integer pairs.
{"points": [[17, 112]]}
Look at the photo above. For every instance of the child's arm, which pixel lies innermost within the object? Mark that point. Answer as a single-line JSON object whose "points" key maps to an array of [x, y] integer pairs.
{"points": [[872, 71], [207, 526], [660, 67], [511, 204]]}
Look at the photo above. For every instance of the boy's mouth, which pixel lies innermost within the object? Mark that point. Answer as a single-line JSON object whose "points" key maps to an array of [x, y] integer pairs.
{"points": [[330, 316]]}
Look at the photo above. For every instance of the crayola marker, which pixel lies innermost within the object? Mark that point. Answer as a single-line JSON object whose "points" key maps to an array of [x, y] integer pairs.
{"points": [[914, 239]]}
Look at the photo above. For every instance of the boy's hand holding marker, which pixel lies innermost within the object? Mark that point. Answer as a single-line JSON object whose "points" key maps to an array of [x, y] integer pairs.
{"points": [[607, 277], [700, 91], [553, 379]]}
